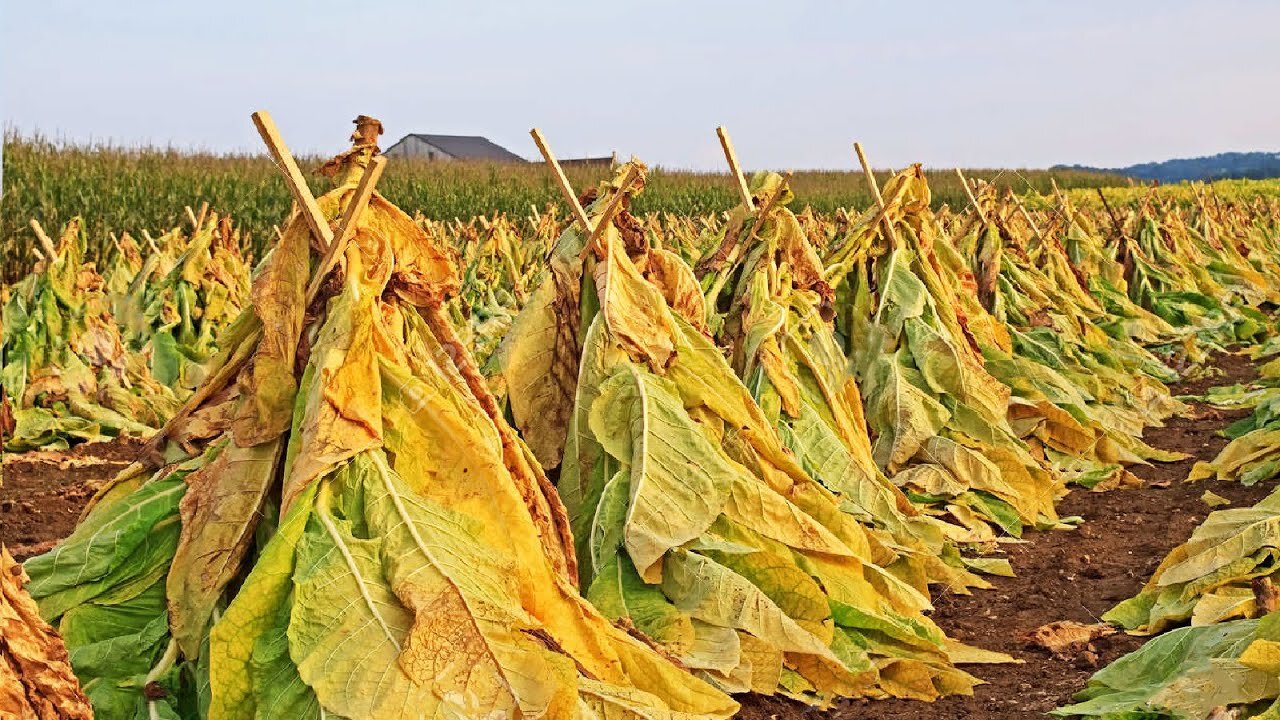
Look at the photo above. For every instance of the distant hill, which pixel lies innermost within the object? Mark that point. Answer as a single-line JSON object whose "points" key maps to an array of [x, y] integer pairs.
{"points": [[1256, 165]]}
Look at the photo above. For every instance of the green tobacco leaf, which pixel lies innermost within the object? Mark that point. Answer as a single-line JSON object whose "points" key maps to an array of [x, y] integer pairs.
{"points": [[678, 480], [343, 610], [1185, 673], [903, 296], [904, 415], [713, 593], [109, 550], [1225, 536], [618, 592], [252, 672]]}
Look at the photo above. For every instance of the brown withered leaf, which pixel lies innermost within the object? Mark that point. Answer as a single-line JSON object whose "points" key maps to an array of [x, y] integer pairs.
{"points": [[36, 681], [220, 512], [1066, 638]]}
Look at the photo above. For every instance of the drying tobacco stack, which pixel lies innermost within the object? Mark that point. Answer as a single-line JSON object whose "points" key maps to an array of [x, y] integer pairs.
{"points": [[693, 520], [66, 374], [341, 524]]}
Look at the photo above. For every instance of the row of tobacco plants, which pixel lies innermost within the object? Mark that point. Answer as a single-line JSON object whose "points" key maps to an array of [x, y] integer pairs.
{"points": [[632, 466]]}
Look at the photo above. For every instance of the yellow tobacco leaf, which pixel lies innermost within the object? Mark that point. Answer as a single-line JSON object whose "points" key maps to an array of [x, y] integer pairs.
{"points": [[540, 378], [268, 386], [634, 311], [341, 411], [1213, 499], [1263, 655]]}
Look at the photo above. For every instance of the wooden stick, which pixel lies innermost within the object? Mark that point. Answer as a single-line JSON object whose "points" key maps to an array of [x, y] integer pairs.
{"points": [[191, 217], [293, 178], [1027, 216], [615, 204], [565, 188], [875, 192], [364, 191], [768, 205], [36, 251], [731, 157], [968, 191], [1057, 193], [49, 247], [1115, 220], [204, 213], [147, 236]]}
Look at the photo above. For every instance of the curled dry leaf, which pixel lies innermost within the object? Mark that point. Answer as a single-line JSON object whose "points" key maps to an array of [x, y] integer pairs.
{"points": [[36, 682], [1066, 638]]}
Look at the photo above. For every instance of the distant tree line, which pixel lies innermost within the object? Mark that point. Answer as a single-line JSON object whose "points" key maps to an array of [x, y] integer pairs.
{"points": [[1252, 165]]}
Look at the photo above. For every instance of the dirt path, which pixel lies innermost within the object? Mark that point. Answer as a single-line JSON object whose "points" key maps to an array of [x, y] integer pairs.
{"points": [[1073, 575], [42, 493]]}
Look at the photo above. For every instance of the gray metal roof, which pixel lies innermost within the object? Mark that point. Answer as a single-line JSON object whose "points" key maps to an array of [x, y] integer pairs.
{"points": [[468, 147]]}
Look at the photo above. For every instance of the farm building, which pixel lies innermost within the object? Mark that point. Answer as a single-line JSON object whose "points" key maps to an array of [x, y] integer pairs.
{"points": [[451, 147], [605, 160]]}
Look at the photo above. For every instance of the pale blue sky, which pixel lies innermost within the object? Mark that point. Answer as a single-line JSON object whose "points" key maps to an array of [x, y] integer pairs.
{"points": [[972, 83]]}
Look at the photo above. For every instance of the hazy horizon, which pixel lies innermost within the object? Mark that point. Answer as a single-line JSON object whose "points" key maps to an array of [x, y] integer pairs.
{"points": [[1002, 84]]}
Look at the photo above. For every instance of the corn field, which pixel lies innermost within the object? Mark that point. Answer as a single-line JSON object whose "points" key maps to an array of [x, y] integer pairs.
{"points": [[128, 189]]}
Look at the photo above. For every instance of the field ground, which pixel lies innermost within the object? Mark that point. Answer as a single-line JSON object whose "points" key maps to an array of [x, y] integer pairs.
{"points": [[1062, 575]]}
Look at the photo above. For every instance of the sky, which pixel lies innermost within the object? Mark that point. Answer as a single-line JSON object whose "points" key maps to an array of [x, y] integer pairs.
{"points": [[1022, 83]]}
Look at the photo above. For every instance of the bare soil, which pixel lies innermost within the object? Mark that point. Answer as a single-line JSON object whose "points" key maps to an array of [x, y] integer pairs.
{"points": [[42, 493], [1061, 575]]}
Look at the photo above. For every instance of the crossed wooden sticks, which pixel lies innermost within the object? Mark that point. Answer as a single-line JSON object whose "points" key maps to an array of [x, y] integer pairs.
{"points": [[332, 244], [593, 230]]}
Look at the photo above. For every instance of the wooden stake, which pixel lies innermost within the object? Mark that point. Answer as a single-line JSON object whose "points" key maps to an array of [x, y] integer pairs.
{"points": [[204, 213], [875, 192], [566, 189], [615, 204], [968, 191], [293, 178], [147, 236], [1027, 216], [1062, 199], [49, 247], [347, 227], [1115, 219], [36, 251], [735, 169]]}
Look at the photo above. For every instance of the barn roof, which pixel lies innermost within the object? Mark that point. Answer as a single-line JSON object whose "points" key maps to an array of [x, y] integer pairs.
{"points": [[468, 147]]}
